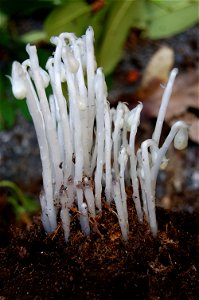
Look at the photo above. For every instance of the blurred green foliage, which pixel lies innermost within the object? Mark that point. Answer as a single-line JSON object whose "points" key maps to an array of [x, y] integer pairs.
{"points": [[21, 204], [35, 21]]}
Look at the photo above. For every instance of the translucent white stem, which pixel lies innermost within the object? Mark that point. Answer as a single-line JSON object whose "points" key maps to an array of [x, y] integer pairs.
{"points": [[53, 111], [80, 197], [61, 101], [85, 120], [73, 98], [122, 162], [90, 71], [83, 105], [84, 221], [65, 218], [163, 106], [79, 161], [37, 117], [164, 148], [94, 157], [44, 213], [59, 132], [89, 196], [100, 98], [125, 126], [148, 186], [70, 190], [50, 130], [118, 123], [120, 209], [64, 214], [134, 119], [108, 146]]}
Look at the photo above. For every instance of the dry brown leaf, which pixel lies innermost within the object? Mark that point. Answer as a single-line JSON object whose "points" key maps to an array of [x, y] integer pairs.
{"points": [[194, 131], [159, 66], [184, 95]]}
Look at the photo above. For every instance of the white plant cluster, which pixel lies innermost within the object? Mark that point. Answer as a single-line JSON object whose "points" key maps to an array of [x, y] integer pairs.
{"points": [[87, 148]]}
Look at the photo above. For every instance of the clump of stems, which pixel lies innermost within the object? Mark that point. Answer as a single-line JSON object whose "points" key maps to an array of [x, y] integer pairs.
{"points": [[87, 149]]}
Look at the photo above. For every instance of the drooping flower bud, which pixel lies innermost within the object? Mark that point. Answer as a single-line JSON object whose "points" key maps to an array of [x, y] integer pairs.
{"points": [[17, 80], [181, 139], [45, 77]]}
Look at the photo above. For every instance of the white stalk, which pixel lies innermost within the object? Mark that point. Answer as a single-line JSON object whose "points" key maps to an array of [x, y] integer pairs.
{"points": [[59, 127], [75, 67], [53, 111], [118, 124], [90, 72], [163, 106], [120, 209], [133, 123], [59, 132], [44, 213], [100, 98], [75, 114], [84, 220], [70, 191], [37, 117], [148, 186], [64, 214], [178, 126], [50, 130], [83, 107], [89, 196], [140, 175], [125, 143], [65, 219], [125, 126], [108, 146], [94, 157], [61, 101], [79, 161], [123, 158]]}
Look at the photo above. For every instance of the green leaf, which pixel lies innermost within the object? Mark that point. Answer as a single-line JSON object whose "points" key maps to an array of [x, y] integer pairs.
{"points": [[97, 21], [33, 36], [123, 15], [173, 22], [172, 5], [20, 202], [3, 20], [71, 17]]}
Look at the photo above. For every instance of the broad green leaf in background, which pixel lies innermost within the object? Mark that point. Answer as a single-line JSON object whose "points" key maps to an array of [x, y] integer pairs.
{"points": [[33, 36], [97, 21], [173, 22], [3, 19], [123, 15], [71, 17], [173, 4]]}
